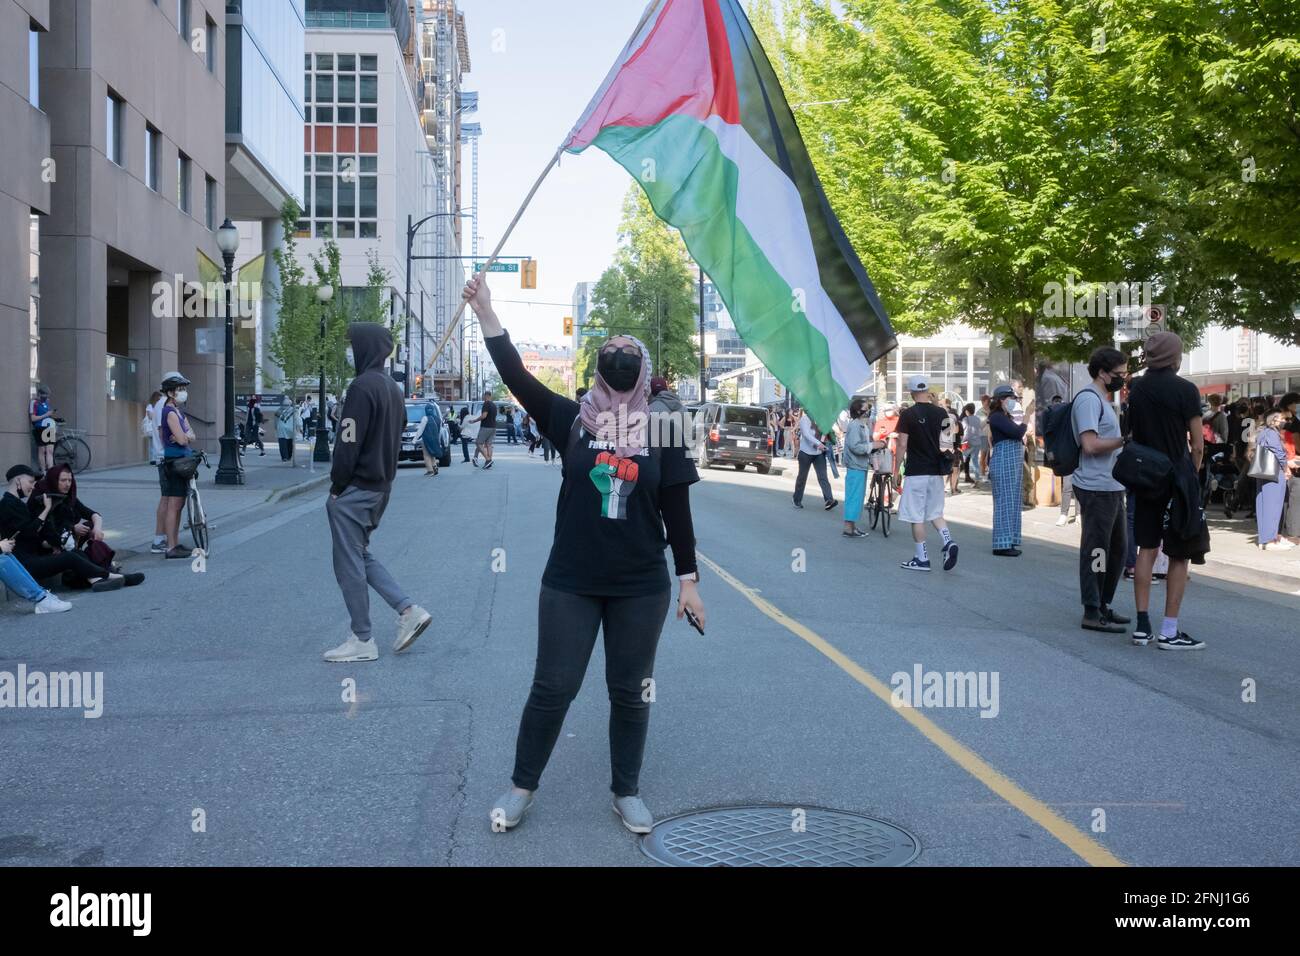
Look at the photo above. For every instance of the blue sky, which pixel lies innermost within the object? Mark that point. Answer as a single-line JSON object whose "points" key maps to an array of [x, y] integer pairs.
{"points": [[536, 66]]}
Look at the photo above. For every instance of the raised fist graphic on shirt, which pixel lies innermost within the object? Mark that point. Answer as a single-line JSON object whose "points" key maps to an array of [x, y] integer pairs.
{"points": [[614, 478]]}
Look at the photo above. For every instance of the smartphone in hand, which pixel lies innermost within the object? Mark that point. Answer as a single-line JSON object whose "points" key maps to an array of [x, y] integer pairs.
{"points": [[694, 621]]}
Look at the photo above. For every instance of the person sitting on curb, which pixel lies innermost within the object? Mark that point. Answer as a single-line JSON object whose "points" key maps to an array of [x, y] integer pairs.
{"points": [[72, 526], [15, 577], [28, 532]]}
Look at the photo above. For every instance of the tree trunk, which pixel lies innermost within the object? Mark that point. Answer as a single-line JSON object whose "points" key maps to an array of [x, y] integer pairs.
{"points": [[1026, 356]]}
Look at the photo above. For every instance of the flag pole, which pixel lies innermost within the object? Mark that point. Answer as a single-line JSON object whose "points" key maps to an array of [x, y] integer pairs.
{"points": [[451, 327]]}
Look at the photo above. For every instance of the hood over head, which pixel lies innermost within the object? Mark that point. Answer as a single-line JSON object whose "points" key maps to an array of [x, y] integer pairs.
{"points": [[372, 343]]}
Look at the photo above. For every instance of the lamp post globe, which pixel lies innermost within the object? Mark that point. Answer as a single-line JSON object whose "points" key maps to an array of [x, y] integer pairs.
{"points": [[324, 293], [230, 471]]}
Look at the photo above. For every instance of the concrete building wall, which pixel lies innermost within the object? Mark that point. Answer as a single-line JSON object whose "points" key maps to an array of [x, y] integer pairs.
{"points": [[107, 227], [24, 146]]}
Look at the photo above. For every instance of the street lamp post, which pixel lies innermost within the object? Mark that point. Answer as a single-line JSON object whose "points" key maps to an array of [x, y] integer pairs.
{"points": [[322, 453], [229, 471], [412, 228]]}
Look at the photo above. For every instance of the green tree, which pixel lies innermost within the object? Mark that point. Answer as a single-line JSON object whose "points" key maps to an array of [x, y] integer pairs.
{"points": [[1219, 86], [296, 345], [554, 381], [648, 291], [293, 345]]}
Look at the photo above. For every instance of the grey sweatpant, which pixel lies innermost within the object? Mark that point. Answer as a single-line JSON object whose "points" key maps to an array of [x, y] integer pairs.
{"points": [[353, 516]]}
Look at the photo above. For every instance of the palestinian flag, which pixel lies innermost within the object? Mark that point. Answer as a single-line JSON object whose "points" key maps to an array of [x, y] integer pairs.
{"points": [[693, 110]]}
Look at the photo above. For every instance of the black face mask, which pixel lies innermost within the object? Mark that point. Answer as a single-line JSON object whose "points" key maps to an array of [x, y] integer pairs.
{"points": [[619, 370], [1115, 384]]}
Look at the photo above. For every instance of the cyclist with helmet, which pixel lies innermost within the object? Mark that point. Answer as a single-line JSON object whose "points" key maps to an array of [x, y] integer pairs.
{"points": [[177, 436], [43, 427]]}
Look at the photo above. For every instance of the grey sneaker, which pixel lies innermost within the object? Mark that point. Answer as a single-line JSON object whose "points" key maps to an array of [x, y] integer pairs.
{"points": [[634, 814], [509, 809]]}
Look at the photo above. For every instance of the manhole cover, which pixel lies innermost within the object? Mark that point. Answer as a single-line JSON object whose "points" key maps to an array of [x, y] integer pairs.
{"points": [[778, 836]]}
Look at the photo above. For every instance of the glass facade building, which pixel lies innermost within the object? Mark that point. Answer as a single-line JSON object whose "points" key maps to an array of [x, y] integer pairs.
{"points": [[264, 108]]}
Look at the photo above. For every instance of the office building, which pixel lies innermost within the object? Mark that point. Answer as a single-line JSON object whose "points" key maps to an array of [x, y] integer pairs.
{"points": [[119, 148]]}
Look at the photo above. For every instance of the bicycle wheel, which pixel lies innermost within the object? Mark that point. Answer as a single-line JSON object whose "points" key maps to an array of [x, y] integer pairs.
{"points": [[884, 521], [196, 520], [873, 505], [74, 453]]}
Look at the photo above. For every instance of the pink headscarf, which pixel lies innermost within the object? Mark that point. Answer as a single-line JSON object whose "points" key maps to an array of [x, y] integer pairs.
{"points": [[605, 412]]}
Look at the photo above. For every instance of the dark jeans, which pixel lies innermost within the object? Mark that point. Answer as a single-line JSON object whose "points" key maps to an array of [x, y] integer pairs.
{"points": [[1103, 542], [80, 568], [818, 462], [286, 449], [464, 447], [548, 450], [566, 633]]}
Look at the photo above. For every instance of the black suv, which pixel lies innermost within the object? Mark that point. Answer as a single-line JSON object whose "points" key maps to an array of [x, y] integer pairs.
{"points": [[735, 435]]}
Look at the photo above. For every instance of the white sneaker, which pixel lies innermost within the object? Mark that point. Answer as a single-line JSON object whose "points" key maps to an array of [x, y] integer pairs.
{"points": [[410, 625], [52, 604], [1278, 544], [1061, 521], [353, 650]]}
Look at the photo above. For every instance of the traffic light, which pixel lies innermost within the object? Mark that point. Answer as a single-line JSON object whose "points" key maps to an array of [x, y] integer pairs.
{"points": [[528, 274], [568, 326]]}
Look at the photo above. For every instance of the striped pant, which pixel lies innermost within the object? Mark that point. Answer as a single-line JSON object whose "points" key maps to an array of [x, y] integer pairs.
{"points": [[1005, 471]]}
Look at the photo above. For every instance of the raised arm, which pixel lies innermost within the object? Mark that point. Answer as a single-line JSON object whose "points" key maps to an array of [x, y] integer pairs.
{"points": [[543, 405]]}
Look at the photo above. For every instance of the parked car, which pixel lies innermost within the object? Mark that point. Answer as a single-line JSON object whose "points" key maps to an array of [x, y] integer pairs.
{"points": [[735, 435], [412, 450]]}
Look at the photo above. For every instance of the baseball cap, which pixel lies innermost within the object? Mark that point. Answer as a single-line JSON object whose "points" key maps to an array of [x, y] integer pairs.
{"points": [[1004, 391], [918, 383], [17, 470]]}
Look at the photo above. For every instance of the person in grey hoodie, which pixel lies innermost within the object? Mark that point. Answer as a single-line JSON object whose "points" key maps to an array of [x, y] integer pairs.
{"points": [[669, 420], [361, 479]]}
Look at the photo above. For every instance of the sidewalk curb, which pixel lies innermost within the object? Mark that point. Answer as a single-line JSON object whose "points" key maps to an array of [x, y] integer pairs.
{"points": [[294, 491]]}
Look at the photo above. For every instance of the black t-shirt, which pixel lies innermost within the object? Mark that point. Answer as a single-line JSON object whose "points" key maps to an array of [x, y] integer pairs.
{"points": [[609, 523], [1160, 404], [609, 532], [924, 424], [490, 421]]}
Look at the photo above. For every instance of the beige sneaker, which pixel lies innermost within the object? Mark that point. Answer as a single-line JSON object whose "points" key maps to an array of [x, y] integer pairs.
{"points": [[353, 650]]}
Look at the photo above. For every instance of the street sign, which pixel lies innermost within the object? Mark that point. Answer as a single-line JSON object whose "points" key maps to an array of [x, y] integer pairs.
{"points": [[497, 267], [588, 333], [1137, 323]]}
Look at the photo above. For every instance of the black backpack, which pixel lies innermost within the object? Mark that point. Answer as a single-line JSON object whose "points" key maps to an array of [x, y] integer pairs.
{"points": [[1060, 447]]}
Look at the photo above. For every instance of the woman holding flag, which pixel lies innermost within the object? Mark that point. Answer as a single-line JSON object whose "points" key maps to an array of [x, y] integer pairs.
{"points": [[606, 569]]}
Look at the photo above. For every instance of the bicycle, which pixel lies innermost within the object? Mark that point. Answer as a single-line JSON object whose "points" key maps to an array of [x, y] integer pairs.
{"points": [[71, 449], [880, 499], [196, 519]]}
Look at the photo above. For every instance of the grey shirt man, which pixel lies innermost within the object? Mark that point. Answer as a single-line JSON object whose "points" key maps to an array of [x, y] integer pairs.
{"points": [[1093, 412]]}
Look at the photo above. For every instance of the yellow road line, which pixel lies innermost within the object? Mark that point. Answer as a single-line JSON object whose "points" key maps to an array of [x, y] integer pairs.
{"points": [[1078, 842]]}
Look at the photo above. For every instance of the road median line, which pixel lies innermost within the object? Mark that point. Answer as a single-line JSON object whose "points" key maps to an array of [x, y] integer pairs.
{"points": [[1075, 840]]}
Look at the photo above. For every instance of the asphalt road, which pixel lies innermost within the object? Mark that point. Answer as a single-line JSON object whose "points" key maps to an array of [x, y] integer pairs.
{"points": [[218, 709]]}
